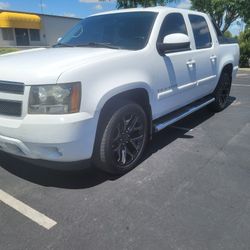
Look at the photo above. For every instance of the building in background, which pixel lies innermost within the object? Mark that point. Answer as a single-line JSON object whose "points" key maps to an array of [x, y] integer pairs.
{"points": [[31, 29]]}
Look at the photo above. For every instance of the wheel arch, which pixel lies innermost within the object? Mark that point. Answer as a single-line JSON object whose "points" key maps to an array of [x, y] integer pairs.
{"points": [[139, 95], [130, 94], [228, 67]]}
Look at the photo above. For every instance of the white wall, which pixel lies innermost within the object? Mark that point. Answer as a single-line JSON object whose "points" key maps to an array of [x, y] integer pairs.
{"points": [[55, 27]]}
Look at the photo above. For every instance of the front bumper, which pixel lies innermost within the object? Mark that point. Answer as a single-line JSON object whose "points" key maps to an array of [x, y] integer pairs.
{"points": [[62, 138]]}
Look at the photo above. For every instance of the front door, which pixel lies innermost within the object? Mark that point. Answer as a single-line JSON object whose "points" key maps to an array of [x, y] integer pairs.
{"points": [[177, 71], [22, 37]]}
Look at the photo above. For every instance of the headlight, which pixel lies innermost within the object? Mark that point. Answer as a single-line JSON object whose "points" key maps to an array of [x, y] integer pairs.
{"points": [[55, 99]]}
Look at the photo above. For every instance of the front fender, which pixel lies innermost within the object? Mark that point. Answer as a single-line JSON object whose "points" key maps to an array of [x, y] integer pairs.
{"points": [[121, 89]]}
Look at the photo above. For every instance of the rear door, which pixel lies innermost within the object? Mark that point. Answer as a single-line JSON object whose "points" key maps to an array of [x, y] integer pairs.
{"points": [[203, 55]]}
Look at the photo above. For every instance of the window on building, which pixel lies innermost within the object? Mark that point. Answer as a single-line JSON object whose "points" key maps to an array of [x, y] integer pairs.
{"points": [[8, 34], [34, 35], [173, 23], [201, 32]]}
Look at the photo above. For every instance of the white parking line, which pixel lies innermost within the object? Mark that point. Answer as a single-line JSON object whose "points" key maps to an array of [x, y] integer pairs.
{"points": [[242, 74], [27, 211], [241, 85]]}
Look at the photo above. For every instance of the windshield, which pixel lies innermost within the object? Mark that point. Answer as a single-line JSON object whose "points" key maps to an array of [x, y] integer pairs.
{"points": [[129, 30]]}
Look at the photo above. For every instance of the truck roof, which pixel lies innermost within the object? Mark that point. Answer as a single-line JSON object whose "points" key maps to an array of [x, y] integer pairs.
{"points": [[158, 9]]}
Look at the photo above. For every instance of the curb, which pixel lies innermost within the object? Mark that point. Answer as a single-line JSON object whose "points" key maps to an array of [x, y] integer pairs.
{"points": [[244, 69]]}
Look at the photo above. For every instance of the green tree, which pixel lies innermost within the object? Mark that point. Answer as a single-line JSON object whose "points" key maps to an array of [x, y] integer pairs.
{"points": [[244, 42], [228, 34], [224, 12], [248, 25]]}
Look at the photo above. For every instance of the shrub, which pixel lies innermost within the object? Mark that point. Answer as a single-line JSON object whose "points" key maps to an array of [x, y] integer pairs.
{"points": [[7, 50], [244, 42]]}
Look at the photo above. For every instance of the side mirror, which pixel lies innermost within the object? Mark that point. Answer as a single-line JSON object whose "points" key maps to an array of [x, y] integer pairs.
{"points": [[174, 43], [59, 39]]}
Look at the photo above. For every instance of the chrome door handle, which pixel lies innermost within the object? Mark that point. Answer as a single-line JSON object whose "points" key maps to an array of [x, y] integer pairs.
{"points": [[191, 63], [213, 58]]}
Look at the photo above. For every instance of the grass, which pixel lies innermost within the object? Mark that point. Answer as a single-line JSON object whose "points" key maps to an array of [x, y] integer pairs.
{"points": [[7, 50]]}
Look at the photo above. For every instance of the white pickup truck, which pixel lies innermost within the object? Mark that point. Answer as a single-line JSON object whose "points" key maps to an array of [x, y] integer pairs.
{"points": [[110, 82]]}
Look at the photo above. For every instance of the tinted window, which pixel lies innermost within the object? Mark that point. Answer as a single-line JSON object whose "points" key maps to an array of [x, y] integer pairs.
{"points": [[8, 34], [201, 32], [34, 35], [123, 30], [173, 23]]}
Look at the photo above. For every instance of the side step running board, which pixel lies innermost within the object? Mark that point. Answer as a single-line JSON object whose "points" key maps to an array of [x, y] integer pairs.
{"points": [[180, 114]]}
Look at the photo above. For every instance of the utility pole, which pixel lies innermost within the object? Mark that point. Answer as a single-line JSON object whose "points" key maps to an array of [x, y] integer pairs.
{"points": [[41, 5]]}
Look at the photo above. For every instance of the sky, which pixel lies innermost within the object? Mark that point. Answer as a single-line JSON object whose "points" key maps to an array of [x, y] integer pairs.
{"points": [[77, 8]]}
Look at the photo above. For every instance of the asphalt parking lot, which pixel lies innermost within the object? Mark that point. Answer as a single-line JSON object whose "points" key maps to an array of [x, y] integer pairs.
{"points": [[192, 191]]}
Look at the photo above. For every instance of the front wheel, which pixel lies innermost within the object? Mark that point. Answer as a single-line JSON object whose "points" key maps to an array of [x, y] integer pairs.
{"points": [[221, 93], [122, 139]]}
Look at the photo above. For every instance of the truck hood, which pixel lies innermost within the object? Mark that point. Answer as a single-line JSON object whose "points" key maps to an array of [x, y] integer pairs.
{"points": [[44, 66]]}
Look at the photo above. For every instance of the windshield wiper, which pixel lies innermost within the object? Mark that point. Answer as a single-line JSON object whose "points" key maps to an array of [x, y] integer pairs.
{"points": [[98, 45], [62, 45]]}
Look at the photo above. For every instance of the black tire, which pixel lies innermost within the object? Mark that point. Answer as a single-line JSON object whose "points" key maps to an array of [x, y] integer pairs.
{"points": [[122, 137], [222, 92]]}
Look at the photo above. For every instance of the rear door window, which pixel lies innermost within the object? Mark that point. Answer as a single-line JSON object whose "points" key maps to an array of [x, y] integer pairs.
{"points": [[201, 32]]}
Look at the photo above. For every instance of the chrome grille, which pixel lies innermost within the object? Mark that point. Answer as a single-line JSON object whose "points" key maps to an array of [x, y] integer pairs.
{"points": [[11, 98], [12, 87], [10, 108]]}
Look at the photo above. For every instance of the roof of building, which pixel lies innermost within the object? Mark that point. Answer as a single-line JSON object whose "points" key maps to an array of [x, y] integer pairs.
{"points": [[39, 14]]}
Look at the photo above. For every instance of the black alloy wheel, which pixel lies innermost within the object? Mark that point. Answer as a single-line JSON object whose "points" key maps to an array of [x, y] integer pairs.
{"points": [[127, 138], [122, 139], [222, 92]]}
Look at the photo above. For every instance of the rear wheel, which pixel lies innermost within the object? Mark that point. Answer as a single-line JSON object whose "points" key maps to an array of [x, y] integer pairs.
{"points": [[122, 139], [222, 92]]}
